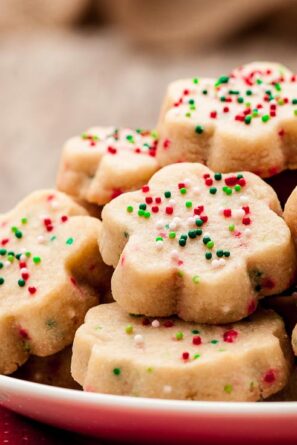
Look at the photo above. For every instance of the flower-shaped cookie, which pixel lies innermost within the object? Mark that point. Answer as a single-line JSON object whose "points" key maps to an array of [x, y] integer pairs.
{"points": [[244, 121], [104, 162], [117, 353], [203, 245], [50, 275]]}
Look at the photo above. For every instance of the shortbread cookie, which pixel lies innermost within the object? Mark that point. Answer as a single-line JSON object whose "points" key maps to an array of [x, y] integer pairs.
{"points": [[244, 121], [53, 370], [202, 245], [290, 213], [117, 353], [50, 275], [104, 162]]}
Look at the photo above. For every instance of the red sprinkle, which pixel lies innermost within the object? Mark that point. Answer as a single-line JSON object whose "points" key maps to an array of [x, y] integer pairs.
{"points": [[197, 340], [145, 188], [230, 336], [32, 290], [185, 356], [169, 210], [246, 221], [227, 213], [270, 376], [168, 324]]}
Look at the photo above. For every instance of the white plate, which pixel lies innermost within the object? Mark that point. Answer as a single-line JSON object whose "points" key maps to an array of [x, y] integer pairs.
{"points": [[128, 418]]}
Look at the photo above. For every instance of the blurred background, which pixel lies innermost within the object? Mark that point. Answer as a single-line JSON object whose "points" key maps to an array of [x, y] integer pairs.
{"points": [[66, 65]]}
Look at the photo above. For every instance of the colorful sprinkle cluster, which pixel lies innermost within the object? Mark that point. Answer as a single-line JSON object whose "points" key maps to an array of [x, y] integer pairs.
{"points": [[193, 343], [24, 243], [243, 96], [113, 140], [180, 219]]}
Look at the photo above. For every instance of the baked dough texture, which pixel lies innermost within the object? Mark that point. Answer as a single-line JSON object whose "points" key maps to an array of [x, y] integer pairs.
{"points": [[104, 162], [243, 121], [116, 353], [202, 245], [51, 273]]}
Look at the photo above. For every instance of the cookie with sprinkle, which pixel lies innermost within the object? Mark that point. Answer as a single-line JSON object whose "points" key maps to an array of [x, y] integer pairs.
{"points": [[203, 245], [51, 273], [246, 120], [104, 162], [117, 353]]}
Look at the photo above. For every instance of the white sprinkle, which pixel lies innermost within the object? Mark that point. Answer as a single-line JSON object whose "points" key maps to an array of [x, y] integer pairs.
{"points": [[55, 204], [191, 220], [7, 264], [155, 323], [167, 389], [207, 234], [244, 199], [40, 239], [24, 270], [172, 202], [218, 263], [221, 210], [159, 244], [196, 190], [248, 233], [23, 257], [187, 182], [238, 213], [222, 261], [172, 225], [174, 254], [138, 339], [159, 224]]}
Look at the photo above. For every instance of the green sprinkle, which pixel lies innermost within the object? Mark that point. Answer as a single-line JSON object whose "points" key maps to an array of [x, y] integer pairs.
{"points": [[195, 356], [184, 236], [188, 114], [206, 240], [218, 176], [159, 238], [24, 220], [195, 80], [142, 206], [205, 92], [199, 222], [226, 253], [69, 241], [208, 255], [237, 188], [191, 102], [195, 331], [3, 252], [172, 235], [198, 232], [277, 87], [147, 214], [167, 194], [182, 242], [196, 279], [220, 253], [240, 100], [210, 244], [1, 265], [130, 209], [213, 190], [141, 212], [231, 227], [228, 388], [154, 134], [188, 204], [179, 336], [149, 370], [21, 283], [183, 190], [53, 238], [19, 234], [248, 119], [295, 112], [294, 101], [265, 118], [222, 79], [249, 92], [10, 258], [214, 342], [36, 259], [192, 234], [199, 129], [129, 329], [1, 281], [116, 371], [227, 190]]}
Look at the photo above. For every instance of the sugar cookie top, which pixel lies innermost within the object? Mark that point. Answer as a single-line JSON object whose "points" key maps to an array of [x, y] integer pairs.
{"points": [[36, 238], [250, 103], [207, 231], [104, 162], [117, 353]]}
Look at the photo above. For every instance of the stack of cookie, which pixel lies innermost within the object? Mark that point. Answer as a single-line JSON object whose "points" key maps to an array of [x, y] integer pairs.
{"points": [[195, 237]]}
